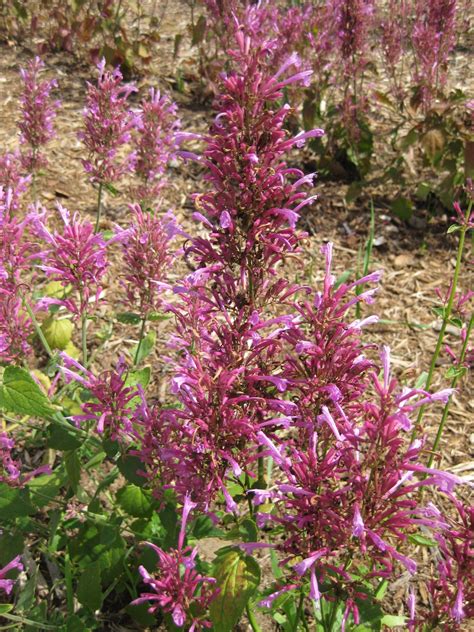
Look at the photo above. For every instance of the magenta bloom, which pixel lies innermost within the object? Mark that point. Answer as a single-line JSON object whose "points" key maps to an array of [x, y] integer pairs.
{"points": [[74, 256], [156, 144], [433, 38], [107, 127], [178, 589], [16, 252], [38, 112], [7, 584], [111, 410], [147, 258]]}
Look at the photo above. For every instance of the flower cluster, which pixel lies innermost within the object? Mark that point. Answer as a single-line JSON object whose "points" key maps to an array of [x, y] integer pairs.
{"points": [[110, 405], [75, 257], [108, 124], [433, 38], [178, 588], [16, 252], [37, 114], [156, 144], [147, 257]]}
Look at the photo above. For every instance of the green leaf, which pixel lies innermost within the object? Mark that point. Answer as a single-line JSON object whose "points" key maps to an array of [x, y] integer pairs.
{"points": [[58, 332], [421, 381], [238, 576], [5, 607], [74, 624], [140, 376], [402, 208], [393, 621], [129, 466], [44, 489], [89, 589], [453, 228], [129, 318], [456, 372], [14, 502], [62, 438], [198, 31], [73, 469], [135, 501], [146, 347], [421, 540], [342, 278], [19, 393], [158, 317]]}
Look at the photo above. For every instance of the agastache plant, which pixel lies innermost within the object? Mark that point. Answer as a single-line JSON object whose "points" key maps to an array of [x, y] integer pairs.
{"points": [[38, 112], [108, 124], [12, 178], [227, 380]]}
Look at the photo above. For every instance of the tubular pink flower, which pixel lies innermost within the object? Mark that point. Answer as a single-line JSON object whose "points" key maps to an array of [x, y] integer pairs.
{"points": [[7, 584]]}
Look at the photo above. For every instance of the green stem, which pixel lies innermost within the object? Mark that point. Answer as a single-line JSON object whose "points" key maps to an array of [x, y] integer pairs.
{"points": [[37, 327], [140, 340], [446, 317], [251, 617], [84, 338], [448, 403], [298, 613], [99, 208]]}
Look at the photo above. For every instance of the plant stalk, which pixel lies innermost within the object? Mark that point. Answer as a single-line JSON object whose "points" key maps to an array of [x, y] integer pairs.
{"points": [[99, 208], [251, 617], [140, 340], [37, 327], [446, 317], [448, 403]]}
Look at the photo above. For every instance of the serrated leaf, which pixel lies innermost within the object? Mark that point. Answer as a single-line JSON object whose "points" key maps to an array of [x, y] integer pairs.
{"points": [[393, 621], [158, 316], [19, 393], [238, 576], [135, 501], [89, 589], [5, 607]]}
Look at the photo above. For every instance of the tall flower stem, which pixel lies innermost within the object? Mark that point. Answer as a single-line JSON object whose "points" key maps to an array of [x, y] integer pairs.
{"points": [[84, 338], [446, 316], [251, 617], [99, 207], [37, 327], [453, 385], [140, 340]]}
